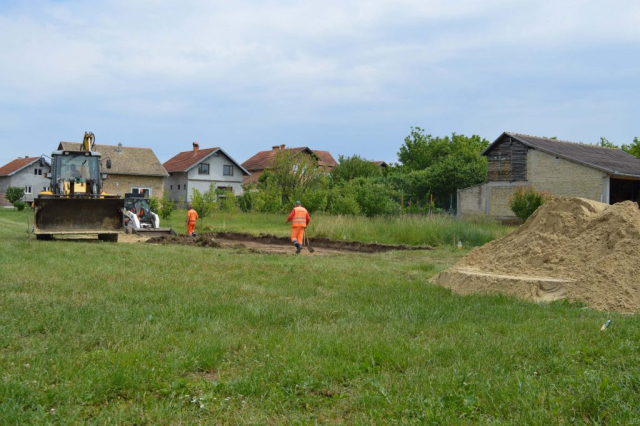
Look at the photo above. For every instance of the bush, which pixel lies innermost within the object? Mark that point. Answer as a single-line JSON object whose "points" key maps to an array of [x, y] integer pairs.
{"points": [[344, 204], [20, 205], [315, 201], [374, 198], [268, 200], [228, 201], [525, 200], [14, 195]]}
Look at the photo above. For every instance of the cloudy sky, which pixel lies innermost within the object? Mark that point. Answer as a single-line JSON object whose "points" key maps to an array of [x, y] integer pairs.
{"points": [[347, 76]]}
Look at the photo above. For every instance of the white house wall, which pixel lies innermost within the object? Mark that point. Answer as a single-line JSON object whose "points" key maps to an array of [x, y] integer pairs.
{"points": [[171, 186], [26, 177], [215, 176]]}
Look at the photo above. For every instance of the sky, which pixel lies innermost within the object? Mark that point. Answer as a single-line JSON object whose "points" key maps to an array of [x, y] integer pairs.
{"points": [[348, 76]]}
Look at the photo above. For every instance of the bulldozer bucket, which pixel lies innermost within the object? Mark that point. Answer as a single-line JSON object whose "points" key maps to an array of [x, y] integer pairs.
{"points": [[77, 216], [151, 232]]}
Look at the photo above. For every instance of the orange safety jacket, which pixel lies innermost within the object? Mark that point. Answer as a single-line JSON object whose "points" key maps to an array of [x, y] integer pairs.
{"points": [[299, 217], [192, 215]]}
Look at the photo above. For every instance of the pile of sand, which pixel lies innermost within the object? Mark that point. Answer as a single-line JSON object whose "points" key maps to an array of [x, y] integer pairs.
{"points": [[570, 247]]}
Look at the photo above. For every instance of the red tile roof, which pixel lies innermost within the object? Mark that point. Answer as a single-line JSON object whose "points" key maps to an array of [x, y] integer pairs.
{"points": [[326, 159], [12, 167], [263, 159], [187, 159]]}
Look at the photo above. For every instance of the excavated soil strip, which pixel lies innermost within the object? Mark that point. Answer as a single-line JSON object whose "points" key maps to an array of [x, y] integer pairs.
{"points": [[209, 240]]}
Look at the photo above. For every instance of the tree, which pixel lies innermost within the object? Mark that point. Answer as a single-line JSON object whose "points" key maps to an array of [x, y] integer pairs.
{"points": [[293, 174], [167, 206], [206, 203], [633, 148], [349, 168], [421, 151], [439, 166], [14, 195]]}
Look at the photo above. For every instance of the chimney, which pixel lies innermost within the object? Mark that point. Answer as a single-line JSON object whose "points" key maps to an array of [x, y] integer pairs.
{"points": [[119, 147], [282, 147], [275, 148], [196, 147]]}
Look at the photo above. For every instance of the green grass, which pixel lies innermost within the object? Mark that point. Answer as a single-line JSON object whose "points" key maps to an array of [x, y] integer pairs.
{"points": [[435, 231], [143, 334]]}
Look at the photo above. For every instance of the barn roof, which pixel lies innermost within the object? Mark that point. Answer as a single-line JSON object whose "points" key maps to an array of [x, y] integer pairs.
{"points": [[611, 160], [125, 160]]}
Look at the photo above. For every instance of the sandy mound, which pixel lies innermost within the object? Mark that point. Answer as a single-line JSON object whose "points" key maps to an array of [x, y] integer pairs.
{"points": [[570, 248]]}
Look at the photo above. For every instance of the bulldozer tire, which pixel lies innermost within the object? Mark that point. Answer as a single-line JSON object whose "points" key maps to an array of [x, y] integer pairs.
{"points": [[44, 237], [111, 238]]}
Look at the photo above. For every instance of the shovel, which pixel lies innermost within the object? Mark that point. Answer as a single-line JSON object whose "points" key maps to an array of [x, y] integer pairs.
{"points": [[311, 249]]}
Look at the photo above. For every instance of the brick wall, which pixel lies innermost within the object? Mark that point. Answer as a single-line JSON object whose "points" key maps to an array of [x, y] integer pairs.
{"points": [[562, 177], [122, 184]]}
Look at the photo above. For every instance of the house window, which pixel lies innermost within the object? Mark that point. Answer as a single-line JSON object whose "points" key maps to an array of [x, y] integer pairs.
{"points": [[27, 189], [44, 188], [37, 172], [203, 169], [146, 191], [227, 170], [171, 187]]}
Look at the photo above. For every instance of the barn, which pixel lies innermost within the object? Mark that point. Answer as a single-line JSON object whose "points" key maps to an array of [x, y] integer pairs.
{"points": [[562, 168]]}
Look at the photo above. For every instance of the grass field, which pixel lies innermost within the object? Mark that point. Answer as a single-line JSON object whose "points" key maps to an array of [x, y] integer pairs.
{"points": [[107, 333]]}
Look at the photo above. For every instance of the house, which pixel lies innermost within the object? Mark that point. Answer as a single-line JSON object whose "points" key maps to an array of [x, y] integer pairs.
{"points": [[198, 169], [381, 164], [128, 169], [26, 173], [260, 162], [561, 168]]}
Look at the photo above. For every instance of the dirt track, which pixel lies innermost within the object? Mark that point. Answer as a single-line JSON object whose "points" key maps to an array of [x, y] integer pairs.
{"points": [[273, 244]]}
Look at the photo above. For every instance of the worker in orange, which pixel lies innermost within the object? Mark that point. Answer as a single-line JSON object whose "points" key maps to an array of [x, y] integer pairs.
{"points": [[192, 216], [299, 218]]}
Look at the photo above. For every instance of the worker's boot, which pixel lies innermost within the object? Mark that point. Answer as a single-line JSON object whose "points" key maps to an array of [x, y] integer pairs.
{"points": [[298, 247]]}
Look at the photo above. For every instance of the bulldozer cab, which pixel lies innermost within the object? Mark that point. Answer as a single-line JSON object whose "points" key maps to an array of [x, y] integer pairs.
{"points": [[76, 168]]}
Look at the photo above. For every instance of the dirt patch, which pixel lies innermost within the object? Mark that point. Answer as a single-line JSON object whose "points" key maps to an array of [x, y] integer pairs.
{"points": [[323, 243], [273, 244], [184, 240], [590, 247]]}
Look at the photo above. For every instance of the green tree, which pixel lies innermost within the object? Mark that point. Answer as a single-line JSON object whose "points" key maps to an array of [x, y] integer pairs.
{"points": [[167, 206], [204, 203], [349, 168], [421, 151], [633, 148], [292, 174], [14, 195]]}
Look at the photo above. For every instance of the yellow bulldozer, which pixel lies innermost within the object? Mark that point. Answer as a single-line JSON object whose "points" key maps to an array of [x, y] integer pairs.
{"points": [[75, 204]]}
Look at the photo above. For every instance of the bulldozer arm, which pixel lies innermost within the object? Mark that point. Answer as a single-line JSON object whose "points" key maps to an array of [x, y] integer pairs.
{"points": [[77, 216]]}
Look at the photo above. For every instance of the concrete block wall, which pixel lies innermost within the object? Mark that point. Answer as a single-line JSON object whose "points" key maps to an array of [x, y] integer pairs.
{"points": [[564, 178], [471, 201]]}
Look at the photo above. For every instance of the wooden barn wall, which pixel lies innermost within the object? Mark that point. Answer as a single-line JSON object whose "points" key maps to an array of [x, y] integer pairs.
{"points": [[507, 161]]}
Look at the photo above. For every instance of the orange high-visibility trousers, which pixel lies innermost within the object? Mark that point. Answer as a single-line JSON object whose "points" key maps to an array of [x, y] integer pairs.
{"points": [[297, 234], [191, 227]]}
